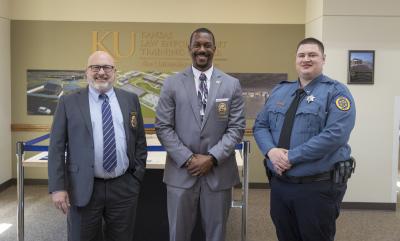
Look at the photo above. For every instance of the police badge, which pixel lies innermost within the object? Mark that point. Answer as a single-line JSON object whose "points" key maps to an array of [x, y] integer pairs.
{"points": [[222, 108], [133, 119]]}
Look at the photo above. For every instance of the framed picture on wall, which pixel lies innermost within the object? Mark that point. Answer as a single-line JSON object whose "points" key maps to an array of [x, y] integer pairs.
{"points": [[361, 67]]}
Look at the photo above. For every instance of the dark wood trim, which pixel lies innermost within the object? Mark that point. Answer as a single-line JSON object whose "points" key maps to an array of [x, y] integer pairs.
{"points": [[248, 132], [344, 205], [46, 128], [150, 131], [369, 206], [29, 128], [259, 185], [29, 181], [8, 184]]}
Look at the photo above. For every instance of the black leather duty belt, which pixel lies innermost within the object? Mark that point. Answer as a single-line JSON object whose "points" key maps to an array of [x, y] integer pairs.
{"points": [[306, 179]]}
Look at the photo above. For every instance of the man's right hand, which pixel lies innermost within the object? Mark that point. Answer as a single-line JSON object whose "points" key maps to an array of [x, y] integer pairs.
{"points": [[61, 200], [279, 159]]}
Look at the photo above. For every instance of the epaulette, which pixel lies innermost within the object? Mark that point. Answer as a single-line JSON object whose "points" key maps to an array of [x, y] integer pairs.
{"points": [[288, 82], [326, 79]]}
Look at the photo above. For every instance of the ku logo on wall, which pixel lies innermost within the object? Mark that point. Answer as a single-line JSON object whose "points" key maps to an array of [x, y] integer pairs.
{"points": [[144, 56]]}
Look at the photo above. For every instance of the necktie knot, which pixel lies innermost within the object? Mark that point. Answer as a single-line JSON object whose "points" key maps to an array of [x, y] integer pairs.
{"points": [[300, 92], [202, 77], [103, 97]]}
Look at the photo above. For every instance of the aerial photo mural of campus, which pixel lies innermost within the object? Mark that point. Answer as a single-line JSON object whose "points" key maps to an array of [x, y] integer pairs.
{"points": [[45, 87], [256, 87]]}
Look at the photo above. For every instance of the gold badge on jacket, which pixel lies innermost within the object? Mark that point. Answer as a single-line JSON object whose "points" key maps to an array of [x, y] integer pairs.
{"points": [[133, 119], [222, 108]]}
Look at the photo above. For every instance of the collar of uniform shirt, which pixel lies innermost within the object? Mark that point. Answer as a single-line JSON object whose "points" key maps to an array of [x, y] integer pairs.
{"points": [[309, 88], [208, 72], [95, 93]]}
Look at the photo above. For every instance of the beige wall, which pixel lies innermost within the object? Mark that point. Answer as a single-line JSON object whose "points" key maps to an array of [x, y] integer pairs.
{"points": [[172, 11], [314, 18], [368, 25], [175, 11], [266, 48], [369, 8], [341, 24], [314, 10], [5, 9], [5, 93]]}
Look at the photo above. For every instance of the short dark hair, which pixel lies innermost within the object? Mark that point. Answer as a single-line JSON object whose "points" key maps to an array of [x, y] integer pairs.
{"points": [[312, 41], [202, 30]]}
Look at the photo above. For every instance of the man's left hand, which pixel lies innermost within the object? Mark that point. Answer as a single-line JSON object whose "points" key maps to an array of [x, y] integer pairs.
{"points": [[200, 165]]}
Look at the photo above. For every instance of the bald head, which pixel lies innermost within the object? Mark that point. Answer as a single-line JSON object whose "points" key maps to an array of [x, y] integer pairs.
{"points": [[99, 56]]}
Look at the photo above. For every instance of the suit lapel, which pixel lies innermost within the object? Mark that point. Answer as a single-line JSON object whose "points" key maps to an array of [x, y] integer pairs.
{"points": [[215, 83], [190, 87], [83, 103], [124, 105]]}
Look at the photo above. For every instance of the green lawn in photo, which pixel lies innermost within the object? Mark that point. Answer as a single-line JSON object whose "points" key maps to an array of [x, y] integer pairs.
{"points": [[148, 113], [148, 87]]}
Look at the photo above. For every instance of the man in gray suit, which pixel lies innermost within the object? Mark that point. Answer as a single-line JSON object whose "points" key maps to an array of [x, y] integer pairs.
{"points": [[100, 129], [199, 120]]}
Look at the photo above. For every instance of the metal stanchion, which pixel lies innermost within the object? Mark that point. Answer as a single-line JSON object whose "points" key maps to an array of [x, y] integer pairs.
{"points": [[245, 189], [20, 187], [242, 203]]}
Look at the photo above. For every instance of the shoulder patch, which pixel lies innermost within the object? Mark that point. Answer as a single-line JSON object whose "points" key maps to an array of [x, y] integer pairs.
{"points": [[343, 103]]}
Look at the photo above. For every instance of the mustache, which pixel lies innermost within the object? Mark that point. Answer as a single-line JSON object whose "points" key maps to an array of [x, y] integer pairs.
{"points": [[202, 53], [101, 77]]}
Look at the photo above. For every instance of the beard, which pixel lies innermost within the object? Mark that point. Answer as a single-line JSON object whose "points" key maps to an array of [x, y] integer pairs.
{"points": [[100, 86]]}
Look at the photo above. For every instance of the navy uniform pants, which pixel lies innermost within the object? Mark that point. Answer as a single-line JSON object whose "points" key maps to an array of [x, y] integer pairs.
{"points": [[305, 212]]}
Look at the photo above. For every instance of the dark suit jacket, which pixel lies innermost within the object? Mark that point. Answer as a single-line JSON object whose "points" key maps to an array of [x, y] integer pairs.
{"points": [[71, 133]]}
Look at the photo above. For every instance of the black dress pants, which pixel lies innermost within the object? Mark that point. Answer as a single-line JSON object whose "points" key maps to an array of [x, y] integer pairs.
{"points": [[110, 213]]}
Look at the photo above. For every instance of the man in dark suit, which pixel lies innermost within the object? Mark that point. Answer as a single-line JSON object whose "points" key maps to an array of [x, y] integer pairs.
{"points": [[199, 120], [97, 156]]}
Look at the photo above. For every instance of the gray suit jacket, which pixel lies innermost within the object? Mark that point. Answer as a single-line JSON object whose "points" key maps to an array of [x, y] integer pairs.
{"points": [[72, 133], [182, 133]]}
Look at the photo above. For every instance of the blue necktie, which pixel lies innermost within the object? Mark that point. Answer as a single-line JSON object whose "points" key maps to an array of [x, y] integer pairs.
{"points": [[202, 94], [109, 151]]}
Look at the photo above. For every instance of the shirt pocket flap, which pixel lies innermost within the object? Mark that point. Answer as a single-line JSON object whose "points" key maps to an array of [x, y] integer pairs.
{"points": [[311, 109], [276, 117]]}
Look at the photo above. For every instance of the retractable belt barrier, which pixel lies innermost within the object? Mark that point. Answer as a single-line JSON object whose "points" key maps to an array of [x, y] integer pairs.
{"points": [[22, 147]]}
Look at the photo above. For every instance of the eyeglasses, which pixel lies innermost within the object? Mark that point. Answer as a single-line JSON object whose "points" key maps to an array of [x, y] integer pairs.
{"points": [[97, 68]]}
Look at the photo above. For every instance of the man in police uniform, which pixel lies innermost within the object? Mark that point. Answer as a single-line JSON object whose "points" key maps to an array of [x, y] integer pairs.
{"points": [[303, 131]]}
